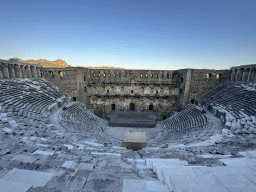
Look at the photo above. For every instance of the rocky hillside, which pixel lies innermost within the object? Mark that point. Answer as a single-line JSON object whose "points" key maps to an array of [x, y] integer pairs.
{"points": [[45, 63], [59, 64]]}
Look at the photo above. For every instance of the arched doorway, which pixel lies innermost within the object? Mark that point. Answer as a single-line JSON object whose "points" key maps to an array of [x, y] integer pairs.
{"points": [[132, 107], [113, 106]]}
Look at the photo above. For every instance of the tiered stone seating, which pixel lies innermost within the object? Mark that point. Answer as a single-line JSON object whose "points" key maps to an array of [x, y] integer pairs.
{"points": [[30, 97], [235, 104], [32, 150], [189, 118], [77, 114], [237, 175]]}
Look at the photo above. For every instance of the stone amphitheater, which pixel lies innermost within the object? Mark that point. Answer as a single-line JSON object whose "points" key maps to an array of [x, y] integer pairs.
{"points": [[63, 129]]}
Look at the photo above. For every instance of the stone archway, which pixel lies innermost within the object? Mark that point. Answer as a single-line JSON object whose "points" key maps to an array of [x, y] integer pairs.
{"points": [[113, 107], [132, 106]]}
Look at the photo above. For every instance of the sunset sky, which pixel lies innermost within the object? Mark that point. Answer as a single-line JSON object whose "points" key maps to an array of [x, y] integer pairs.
{"points": [[133, 34]]}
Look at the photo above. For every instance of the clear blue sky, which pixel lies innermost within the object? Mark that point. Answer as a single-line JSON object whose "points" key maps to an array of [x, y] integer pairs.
{"points": [[134, 34]]}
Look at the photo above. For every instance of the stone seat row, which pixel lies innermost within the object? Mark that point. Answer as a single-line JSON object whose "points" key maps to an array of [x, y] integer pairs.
{"points": [[234, 104], [238, 98], [77, 113], [25, 97], [190, 117], [189, 124], [73, 112], [229, 93], [178, 126], [51, 89], [177, 118], [32, 86]]}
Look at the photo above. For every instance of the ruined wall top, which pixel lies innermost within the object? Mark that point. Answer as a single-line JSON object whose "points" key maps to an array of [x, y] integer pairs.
{"points": [[132, 75], [244, 67], [17, 62], [13, 68]]}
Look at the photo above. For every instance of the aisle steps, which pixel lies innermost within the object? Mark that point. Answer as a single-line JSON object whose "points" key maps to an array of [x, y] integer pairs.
{"points": [[148, 183], [238, 175]]}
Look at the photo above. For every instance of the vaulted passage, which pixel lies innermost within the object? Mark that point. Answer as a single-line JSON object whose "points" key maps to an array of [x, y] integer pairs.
{"points": [[113, 107], [132, 107]]}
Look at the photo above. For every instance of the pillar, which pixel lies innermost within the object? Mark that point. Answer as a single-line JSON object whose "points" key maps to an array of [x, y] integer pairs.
{"points": [[33, 71], [5, 71], [23, 71], [11, 71], [239, 75], [1, 74], [38, 70], [249, 75], [245, 75], [252, 75], [28, 71], [186, 92], [18, 73], [233, 75]]}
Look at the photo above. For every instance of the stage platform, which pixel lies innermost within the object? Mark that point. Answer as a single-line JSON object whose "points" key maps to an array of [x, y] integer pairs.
{"points": [[133, 119]]}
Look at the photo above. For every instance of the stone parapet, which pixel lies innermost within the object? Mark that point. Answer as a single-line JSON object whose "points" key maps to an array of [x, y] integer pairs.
{"points": [[13, 68], [245, 73]]}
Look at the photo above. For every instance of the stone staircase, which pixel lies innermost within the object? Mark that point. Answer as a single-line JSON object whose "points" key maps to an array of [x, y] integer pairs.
{"points": [[237, 174], [148, 181]]}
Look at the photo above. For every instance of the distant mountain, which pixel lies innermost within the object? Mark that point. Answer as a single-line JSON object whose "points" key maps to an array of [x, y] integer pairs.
{"points": [[106, 67], [58, 64], [45, 63]]}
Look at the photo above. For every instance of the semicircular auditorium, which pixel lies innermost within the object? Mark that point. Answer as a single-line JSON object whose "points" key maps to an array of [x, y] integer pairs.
{"points": [[80, 129]]}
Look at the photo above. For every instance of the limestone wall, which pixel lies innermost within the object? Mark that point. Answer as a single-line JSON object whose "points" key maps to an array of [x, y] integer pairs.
{"points": [[67, 79], [13, 68], [104, 90], [200, 81], [139, 90]]}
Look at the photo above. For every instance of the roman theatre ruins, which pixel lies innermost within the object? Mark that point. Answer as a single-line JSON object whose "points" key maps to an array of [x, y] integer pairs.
{"points": [[81, 129]]}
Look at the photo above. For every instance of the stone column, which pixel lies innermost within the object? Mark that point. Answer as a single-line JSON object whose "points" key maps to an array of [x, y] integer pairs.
{"points": [[1, 74], [253, 76], [5, 71], [186, 92], [239, 75], [28, 71], [233, 75], [18, 72], [245, 75], [249, 75], [38, 70], [33, 71], [11, 71], [23, 71]]}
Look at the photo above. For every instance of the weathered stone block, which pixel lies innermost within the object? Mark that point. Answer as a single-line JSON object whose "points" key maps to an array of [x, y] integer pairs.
{"points": [[134, 140], [4, 119]]}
